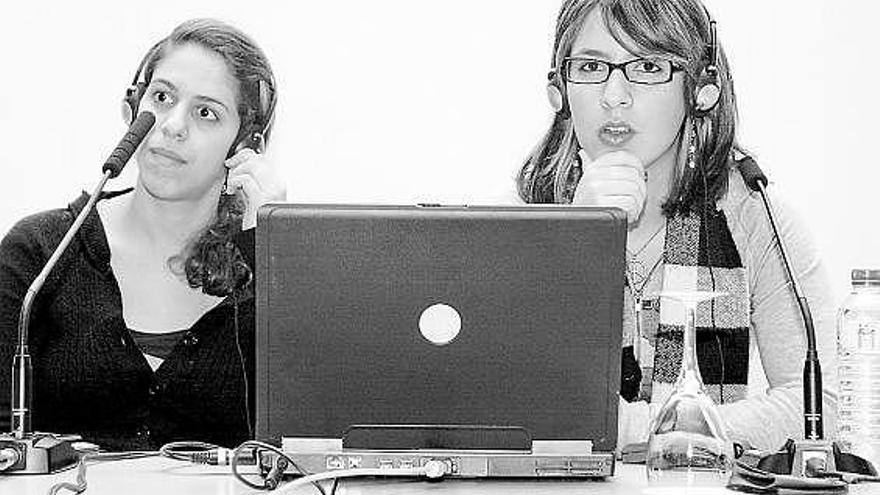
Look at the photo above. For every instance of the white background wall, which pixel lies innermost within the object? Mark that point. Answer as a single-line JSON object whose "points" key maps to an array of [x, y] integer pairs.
{"points": [[411, 100]]}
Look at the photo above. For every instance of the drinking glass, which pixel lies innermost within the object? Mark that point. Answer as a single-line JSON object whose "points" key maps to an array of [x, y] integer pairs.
{"points": [[688, 445]]}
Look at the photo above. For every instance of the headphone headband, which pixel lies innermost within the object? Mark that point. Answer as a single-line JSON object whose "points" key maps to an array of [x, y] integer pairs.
{"points": [[712, 68], [146, 59], [706, 95], [708, 91]]}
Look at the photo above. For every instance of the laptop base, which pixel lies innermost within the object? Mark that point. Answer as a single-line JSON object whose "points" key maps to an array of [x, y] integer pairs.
{"points": [[546, 459]]}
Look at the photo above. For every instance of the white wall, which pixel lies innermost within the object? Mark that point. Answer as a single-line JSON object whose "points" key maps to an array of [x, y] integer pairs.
{"points": [[410, 100]]}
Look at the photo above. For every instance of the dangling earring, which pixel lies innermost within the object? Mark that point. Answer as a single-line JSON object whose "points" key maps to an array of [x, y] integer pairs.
{"points": [[690, 159], [692, 147], [225, 189], [577, 163]]}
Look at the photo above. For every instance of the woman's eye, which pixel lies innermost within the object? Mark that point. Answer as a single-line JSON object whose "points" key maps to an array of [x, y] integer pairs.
{"points": [[162, 97], [206, 113], [648, 66], [591, 66]]}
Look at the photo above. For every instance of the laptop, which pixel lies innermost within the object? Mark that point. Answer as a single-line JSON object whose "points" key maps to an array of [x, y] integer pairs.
{"points": [[486, 337]]}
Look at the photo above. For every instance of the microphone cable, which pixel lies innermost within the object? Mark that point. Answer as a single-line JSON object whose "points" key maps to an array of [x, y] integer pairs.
{"points": [[433, 469], [186, 451], [272, 478], [87, 458]]}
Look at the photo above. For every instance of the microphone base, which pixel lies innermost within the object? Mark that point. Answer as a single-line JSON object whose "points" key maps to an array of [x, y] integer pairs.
{"points": [[806, 450], [824, 455], [36, 453]]}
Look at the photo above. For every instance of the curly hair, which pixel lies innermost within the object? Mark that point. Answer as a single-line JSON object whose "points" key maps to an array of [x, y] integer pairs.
{"points": [[212, 261]]}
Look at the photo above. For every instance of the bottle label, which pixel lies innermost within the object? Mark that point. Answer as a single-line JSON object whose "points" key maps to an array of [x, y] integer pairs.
{"points": [[867, 333], [859, 335]]}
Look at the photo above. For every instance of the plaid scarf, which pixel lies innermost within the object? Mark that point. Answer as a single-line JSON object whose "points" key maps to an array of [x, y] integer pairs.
{"points": [[700, 255]]}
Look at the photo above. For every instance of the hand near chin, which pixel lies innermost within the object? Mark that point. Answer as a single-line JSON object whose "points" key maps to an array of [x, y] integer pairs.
{"points": [[258, 181], [613, 179]]}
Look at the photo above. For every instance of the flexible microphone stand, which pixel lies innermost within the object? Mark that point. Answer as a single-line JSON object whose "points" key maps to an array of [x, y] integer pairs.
{"points": [[22, 451], [813, 422], [812, 456], [813, 444]]}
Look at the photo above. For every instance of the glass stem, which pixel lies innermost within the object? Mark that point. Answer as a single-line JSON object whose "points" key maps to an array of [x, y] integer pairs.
{"points": [[690, 377]]}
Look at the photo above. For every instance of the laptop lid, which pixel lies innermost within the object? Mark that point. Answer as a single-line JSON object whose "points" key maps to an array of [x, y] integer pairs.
{"points": [[503, 316]]}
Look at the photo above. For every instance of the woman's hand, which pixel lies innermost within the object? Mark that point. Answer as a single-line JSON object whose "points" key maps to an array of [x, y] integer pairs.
{"points": [[613, 179], [257, 179]]}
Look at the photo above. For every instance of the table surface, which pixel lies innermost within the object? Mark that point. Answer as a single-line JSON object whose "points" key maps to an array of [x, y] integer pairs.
{"points": [[165, 476]]}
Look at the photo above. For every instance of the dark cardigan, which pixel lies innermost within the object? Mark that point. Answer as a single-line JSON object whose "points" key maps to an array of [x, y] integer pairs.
{"points": [[90, 377]]}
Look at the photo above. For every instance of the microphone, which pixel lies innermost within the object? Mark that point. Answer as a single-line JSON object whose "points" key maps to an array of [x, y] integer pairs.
{"points": [[752, 174], [136, 133], [45, 453], [800, 457], [813, 424]]}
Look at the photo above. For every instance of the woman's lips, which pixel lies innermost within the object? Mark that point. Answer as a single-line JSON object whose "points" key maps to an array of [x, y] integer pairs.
{"points": [[616, 133], [168, 155]]}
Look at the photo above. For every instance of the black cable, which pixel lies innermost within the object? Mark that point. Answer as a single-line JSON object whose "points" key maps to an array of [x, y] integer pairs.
{"points": [[244, 374], [268, 484], [705, 224], [234, 465], [196, 452]]}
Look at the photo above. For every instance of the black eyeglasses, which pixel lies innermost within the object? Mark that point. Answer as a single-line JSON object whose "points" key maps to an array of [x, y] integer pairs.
{"points": [[585, 70]]}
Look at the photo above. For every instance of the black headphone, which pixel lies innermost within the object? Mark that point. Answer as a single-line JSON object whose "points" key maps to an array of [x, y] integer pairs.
{"points": [[254, 138], [708, 91], [706, 95]]}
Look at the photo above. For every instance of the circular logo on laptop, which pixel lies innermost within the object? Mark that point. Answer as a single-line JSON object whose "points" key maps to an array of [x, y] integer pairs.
{"points": [[440, 324]]}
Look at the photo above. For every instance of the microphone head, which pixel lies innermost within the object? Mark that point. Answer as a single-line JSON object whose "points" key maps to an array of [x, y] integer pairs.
{"points": [[132, 139], [142, 124], [752, 174]]}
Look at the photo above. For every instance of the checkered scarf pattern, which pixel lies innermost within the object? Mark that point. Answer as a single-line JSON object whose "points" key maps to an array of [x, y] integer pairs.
{"points": [[700, 255]]}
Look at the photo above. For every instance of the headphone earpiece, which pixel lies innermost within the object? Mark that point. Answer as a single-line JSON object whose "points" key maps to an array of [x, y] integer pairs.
{"points": [[258, 142], [253, 140], [708, 91], [131, 101], [707, 97], [255, 137], [556, 96], [557, 101], [135, 91]]}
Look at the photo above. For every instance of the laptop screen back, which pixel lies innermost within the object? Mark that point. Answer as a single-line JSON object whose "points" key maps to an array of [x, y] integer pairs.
{"points": [[507, 316]]}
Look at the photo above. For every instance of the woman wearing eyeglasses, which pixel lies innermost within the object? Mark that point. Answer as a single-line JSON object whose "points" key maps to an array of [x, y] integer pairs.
{"points": [[646, 121]]}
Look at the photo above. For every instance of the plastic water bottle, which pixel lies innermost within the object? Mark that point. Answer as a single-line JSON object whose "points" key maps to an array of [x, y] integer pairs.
{"points": [[858, 352]]}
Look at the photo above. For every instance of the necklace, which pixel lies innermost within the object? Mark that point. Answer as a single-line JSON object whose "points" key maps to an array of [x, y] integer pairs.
{"points": [[635, 268], [636, 282]]}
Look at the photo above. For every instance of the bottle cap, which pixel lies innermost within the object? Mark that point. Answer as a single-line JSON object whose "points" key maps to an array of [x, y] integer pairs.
{"points": [[864, 278]]}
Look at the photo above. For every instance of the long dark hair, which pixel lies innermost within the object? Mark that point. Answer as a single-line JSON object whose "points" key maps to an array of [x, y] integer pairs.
{"points": [[678, 28], [212, 261]]}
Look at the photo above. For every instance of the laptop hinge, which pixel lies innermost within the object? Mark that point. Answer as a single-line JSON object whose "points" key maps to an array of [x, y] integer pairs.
{"points": [[437, 437], [562, 447], [311, 445]]}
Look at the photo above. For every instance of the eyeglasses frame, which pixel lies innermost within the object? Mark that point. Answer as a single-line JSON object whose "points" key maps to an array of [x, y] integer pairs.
{"points": [[563, 74]]}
